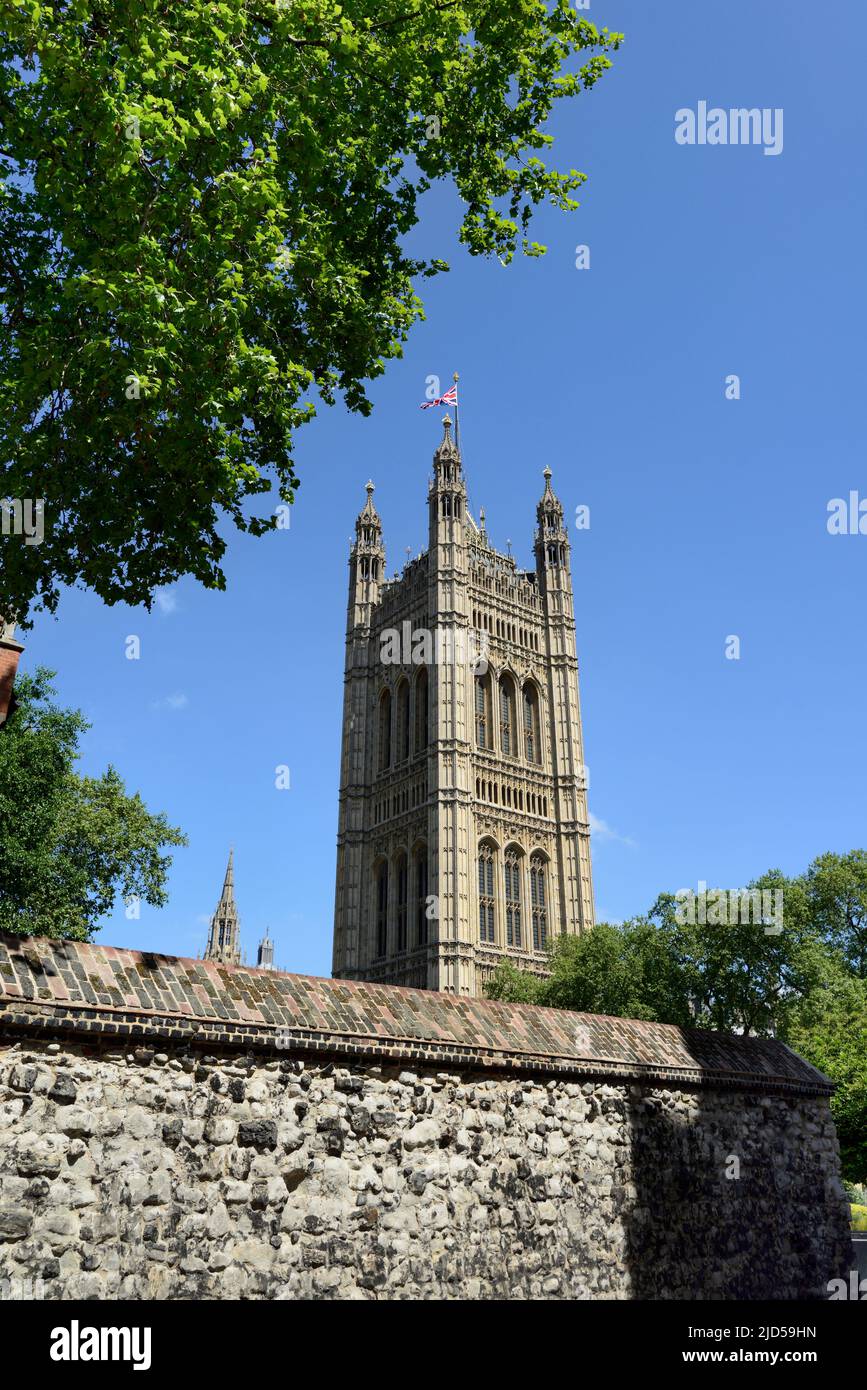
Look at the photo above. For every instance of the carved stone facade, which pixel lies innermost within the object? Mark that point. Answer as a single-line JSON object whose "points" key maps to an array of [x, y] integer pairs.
{"points": [[463, 832]]}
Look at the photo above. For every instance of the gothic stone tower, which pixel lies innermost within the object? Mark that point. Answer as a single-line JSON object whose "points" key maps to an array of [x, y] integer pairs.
{"points": [[224, 937], [463, 834]]}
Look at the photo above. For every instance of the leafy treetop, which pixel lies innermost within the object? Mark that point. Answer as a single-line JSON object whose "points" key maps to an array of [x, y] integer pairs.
{"points": [[202, 215], [70, 844]]}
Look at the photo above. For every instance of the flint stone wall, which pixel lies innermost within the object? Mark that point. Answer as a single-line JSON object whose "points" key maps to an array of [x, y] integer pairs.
{"points": [[302, 1159]]}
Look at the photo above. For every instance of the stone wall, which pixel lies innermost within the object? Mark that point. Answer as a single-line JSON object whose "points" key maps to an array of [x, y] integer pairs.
{"points": [[139, 1159]]}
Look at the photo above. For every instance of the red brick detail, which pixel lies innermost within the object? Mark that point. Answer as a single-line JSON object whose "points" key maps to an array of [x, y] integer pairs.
{"points": [[9, 655]]}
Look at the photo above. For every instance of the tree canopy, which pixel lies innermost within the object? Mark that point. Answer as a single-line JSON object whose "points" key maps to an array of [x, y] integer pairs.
{"points": [[70, 845], [805, 983], [203, 212], [830, 1030]]}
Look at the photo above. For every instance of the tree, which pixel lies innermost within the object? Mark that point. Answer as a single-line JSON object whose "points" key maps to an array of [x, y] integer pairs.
{"points": [[743, 974], [515, 986], [803, 983], [69, 844], [732, 975], [836, 887], [202, 215], [829, 1029], [626, 971]]}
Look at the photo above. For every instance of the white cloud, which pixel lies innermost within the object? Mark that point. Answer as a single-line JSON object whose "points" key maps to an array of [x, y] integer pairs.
{"points": [[166, 601], [601, 830], [176, 701]]}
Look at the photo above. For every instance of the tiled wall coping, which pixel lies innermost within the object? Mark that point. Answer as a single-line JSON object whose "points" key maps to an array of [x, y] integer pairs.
{"points": [[106, 993]]}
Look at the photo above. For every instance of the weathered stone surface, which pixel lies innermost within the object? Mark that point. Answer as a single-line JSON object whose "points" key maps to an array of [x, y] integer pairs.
{"points": [[23, 1078], [460, 1185], [259, 1134], [63, 1091], [39, 1153], [422, 1135], [15, 1223]]}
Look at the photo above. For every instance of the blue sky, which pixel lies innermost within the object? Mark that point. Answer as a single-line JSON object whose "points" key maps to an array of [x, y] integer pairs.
{"points": [[707, 515]]}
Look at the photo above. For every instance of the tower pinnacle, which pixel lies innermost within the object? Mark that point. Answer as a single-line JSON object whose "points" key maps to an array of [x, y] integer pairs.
{"points": [[447, 444], [224, 939], [368, 527], [552, 539]]}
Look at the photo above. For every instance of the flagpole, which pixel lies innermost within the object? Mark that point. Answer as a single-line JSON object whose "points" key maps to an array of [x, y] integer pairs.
{"points": [[457, 417]]}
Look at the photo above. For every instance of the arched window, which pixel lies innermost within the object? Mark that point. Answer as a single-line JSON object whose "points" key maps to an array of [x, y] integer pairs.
{"points": [[486, 893], [483, 712], [532, 746], [401, 905], [512, 867], [403, 721], [382, 910], [421, 710], [538, 902], [508, 733], [421, 927], [385, 730]]}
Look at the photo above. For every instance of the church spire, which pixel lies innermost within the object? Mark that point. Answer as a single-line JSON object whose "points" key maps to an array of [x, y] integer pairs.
{"points": [[224, 938], [229, 880]]}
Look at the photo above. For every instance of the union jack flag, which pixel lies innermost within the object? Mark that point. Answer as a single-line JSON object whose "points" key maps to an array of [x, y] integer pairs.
{"points": [[450, 398]]}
